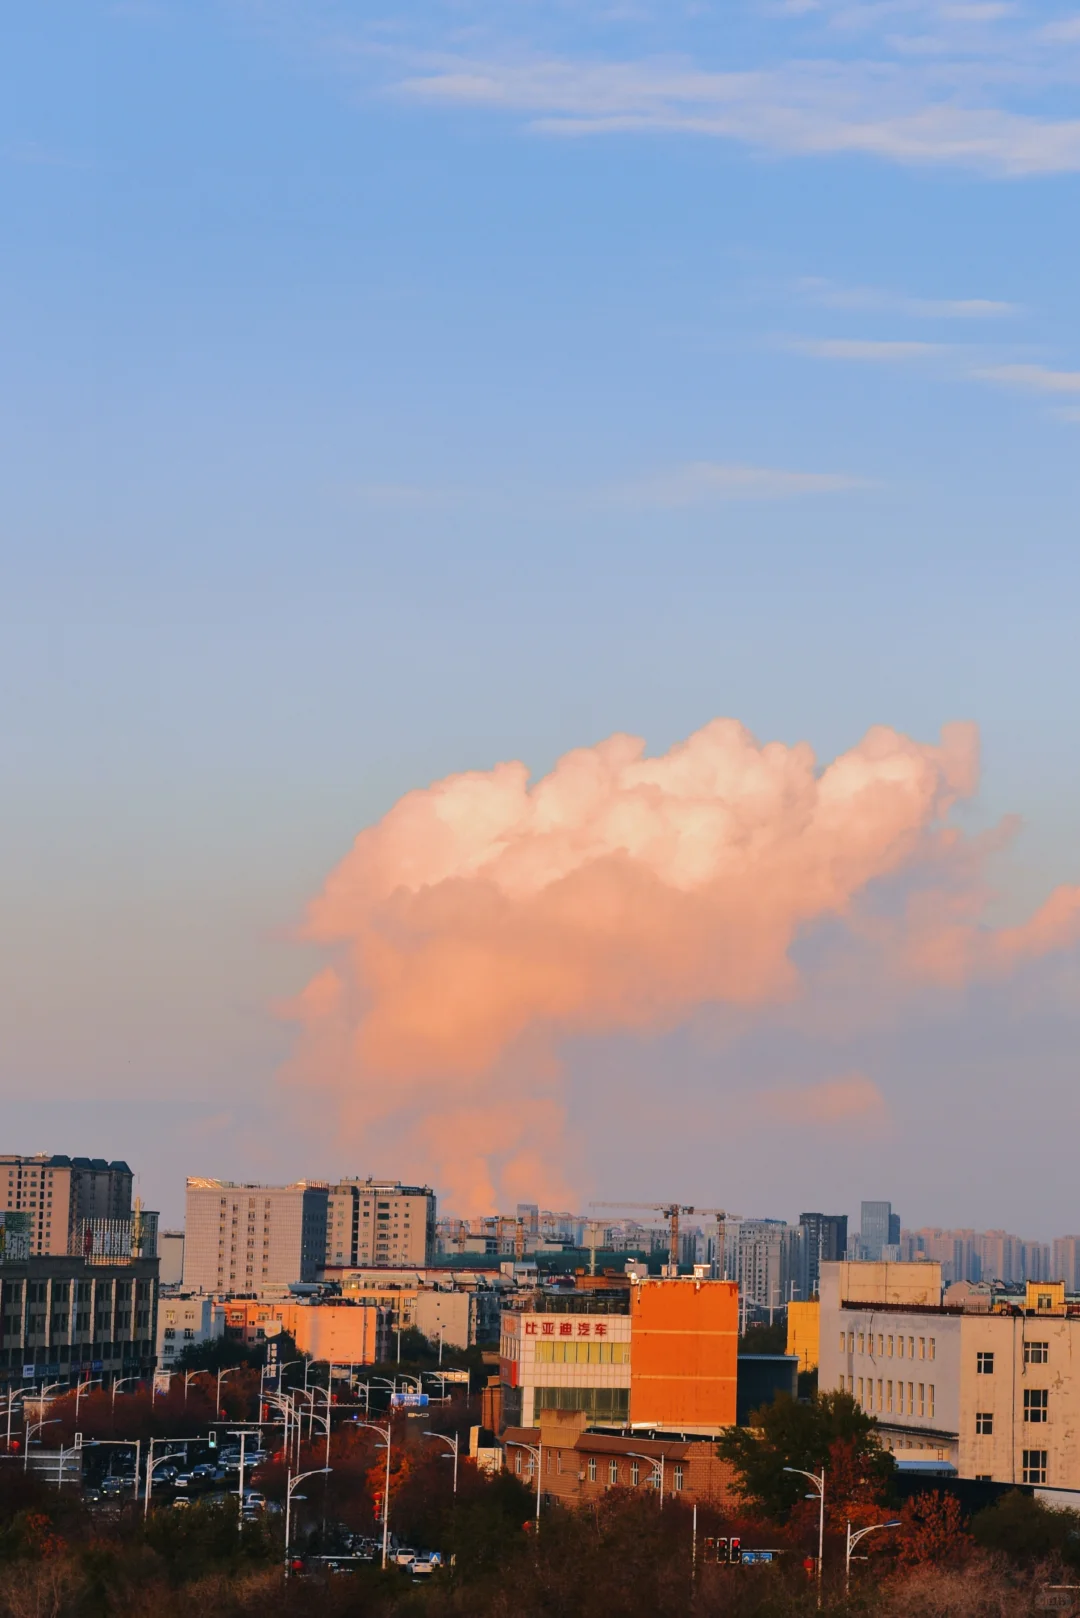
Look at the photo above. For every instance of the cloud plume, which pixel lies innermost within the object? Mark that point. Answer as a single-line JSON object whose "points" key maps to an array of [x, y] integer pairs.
{"points": [[486, 918]]}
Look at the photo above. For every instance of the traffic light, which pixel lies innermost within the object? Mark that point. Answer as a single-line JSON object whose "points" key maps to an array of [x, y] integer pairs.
{"points": [[721, 1550], [212, 1441], [734, 1551]]}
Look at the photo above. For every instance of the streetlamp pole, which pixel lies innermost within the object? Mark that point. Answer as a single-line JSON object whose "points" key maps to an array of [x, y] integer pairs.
{"points": [[851, 1542], [385, 1434], [454, 1444], [657, 1470], [818, 1480], [291, 1480], [150, 1465], [537, 1453], [80, 1389], [116, 1388]]}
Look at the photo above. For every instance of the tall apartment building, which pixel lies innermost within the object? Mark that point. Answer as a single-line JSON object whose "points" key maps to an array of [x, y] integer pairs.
{"points": [[879, 1228], [765, 1257], [1066, 1262], [62, 1195], [379, 1222], [824, 1241], [253, 1238]]}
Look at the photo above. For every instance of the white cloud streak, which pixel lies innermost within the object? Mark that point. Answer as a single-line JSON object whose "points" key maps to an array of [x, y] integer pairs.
{"points": [[701, 482], [1031, 378]]}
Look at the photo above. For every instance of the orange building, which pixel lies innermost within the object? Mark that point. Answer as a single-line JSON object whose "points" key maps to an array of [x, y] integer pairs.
{"points": [[684, 1354], [341, 1333]]}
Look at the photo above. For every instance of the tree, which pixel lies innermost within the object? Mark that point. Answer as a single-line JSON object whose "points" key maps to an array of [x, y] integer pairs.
{"points": [[788, 1434], [932, 1530], [1025, 1528], [764, 1339]]}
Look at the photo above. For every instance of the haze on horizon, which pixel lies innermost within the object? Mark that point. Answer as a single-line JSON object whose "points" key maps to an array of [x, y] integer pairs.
{"points": [[392, 397]]}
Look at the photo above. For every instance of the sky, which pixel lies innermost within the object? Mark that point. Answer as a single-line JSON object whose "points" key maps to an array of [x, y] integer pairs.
{"points": [[388, 395]]}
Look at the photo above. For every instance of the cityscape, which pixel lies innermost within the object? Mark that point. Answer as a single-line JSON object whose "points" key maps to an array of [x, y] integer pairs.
{"points": [[539, 876]]}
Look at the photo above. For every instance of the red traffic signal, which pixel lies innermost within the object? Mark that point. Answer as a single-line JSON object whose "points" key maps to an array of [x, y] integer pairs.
{"points": [[734, 1551]]}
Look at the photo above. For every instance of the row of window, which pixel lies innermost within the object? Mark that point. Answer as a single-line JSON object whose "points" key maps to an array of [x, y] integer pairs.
{"points": [[561, 1353], [887, 1344], [911, 1398], [1036, 1409]]}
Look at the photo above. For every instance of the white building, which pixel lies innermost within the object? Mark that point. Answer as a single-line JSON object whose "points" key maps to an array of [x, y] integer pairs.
{"points": [[552, 1359], [184, 1322], [991, 1386], [379, 1222], [253, 1238]]}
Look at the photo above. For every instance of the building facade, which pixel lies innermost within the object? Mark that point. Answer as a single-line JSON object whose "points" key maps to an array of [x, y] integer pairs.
{"points": [[379, 1222], [824, 1241], [63, 1318], [60, 1194], [684, 1336], [253, 1238], [577, 1466], [566, 1351], [334, 1331], [185, 1322]]}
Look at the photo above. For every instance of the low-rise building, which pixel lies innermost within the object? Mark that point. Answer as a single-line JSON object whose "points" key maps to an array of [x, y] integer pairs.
{"points": [[990, 1385], [185, 1322], [334, 1330], [566, 1351], [63, 1318], [578, 1465]]}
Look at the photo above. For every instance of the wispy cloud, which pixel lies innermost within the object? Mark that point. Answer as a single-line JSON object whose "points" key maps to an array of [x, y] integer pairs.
{"points": [[866, 351], [699, 482], [853, 1101], [880, 300], [1031, 378], [880, 108]]}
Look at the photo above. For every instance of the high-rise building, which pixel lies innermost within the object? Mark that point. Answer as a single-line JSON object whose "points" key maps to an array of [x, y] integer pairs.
{"points": [[879, 1228], [1066, 1262], [379, 1222], [253, 1238], [765, 1257], [824, 1241], [62, 1195]]}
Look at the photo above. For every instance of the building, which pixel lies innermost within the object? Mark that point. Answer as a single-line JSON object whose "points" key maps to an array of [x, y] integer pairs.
{"points": [[64, 1317], [879, 1228], [824, 1240], [684, 1336], [253, 1238], [566, 1351], [171, 1257], [765, 1258], [1065, 1264], [333, 1331], [61, 1193], [804, 1332], [185, 1322], [578, 1465], [379, 1222], [990, 1384]]}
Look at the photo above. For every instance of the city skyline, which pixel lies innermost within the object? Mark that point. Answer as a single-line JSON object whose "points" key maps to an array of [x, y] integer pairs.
{"points": [[497, 410]]}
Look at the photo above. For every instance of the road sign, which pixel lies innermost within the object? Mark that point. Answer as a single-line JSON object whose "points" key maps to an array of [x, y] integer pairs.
{"points": [[1055, 1600]]}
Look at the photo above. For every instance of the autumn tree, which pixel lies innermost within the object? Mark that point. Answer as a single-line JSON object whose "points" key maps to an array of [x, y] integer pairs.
{"points": [[791, 1434]]}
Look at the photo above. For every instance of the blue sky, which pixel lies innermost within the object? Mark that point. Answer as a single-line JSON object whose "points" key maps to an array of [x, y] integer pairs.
{"points": [[388, 394]]}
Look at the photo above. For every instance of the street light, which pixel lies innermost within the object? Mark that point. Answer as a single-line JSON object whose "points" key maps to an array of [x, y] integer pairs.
{"points": [[385, 1433], [818, 1480], [118, 1385], [853, 1539], [11, 1397], [290, 1484], [80, 1390], [537, 1453], [150, 1465], [220, 1379], [454, 1443], [658, 1470], [33, 1427]]}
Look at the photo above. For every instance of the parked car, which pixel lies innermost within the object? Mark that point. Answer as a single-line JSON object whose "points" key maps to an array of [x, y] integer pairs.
{"points": [[181, 1503], [254, 1501]]}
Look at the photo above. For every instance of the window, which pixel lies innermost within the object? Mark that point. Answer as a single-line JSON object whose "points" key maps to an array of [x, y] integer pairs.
{"points": [[911, 1348], [984, 1363], [843, 1341], [933, 1348], [1036, 1353], [922, 1399], [1045, 1301], [911, 1398], [930, 1408], [860, 1390], [880, 1345], [1036, 1404], [888, 1395], [880, 1385], [900, 1347], [922, 1348], [1034, 1466], [635, 1474], [890, 1347], [613, 1471], [851, 1342], [984, 1421], [592, 1469], [862, 1342], [679, 1475]]}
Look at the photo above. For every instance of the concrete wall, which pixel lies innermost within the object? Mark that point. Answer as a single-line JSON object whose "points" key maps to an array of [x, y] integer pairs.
{"points": [[915, 1284], [804, 1333], [684, 1354]]}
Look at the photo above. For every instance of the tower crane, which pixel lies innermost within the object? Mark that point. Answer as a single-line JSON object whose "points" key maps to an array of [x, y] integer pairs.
{"points": [[671, 1212]]}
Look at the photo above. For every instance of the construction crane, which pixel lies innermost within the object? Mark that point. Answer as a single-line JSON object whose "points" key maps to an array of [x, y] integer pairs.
{"points": [[671, 1212]]}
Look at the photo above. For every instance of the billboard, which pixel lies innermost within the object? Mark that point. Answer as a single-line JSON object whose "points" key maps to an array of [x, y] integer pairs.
{"points": [[409, 1401], [14, 1237]]}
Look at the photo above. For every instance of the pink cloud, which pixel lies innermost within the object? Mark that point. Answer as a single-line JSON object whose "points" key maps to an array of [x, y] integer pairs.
{"points": [[485, 918]]}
